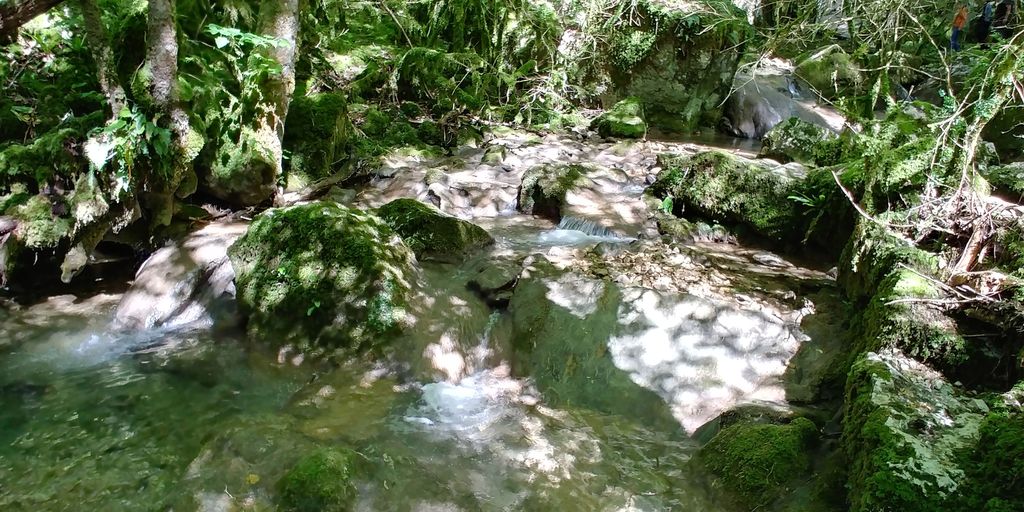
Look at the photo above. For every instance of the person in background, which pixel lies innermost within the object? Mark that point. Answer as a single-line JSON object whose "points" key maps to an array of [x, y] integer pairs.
{"points": [[984, 27], [959, 20], [1004, 14]]}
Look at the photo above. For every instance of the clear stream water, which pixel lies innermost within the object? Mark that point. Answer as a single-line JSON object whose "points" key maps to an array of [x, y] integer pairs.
{"points": [[97, 421]]}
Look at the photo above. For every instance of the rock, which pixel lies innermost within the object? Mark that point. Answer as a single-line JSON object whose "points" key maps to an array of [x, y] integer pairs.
{"points": [[832, 73], [189, 282], [494, 279], [322, 276], [763, 98], [796, 140], [760, 462], [668, 359], [344, 196], [544, 189], [726, 188], [1006, 131], [243, 172], [321, 482], [318, 134], [625, 119], [678, 61], [431, 234], [1007, 180], [905, 428], [494, 155]]}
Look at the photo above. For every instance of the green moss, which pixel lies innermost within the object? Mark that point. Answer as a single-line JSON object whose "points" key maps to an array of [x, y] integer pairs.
{"points": [[318, 134], [760, 462], [38, 228], [432, 234], [719, 186], [411, 110], [323, 277], [320, 482], [800, 141], [244, 172], [625, 119], [871, 255], [630, 47], [995, 466], [543, 189], [832, 73], [430, 133]]}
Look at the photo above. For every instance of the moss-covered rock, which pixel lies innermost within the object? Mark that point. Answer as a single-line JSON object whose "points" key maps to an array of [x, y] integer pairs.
{"points": [[244, 172], [832, 73], [544, 187], [759, 462], [38, 228], [625, 119], [1007, 180], [432, 234], [799, 141], [995, 467], [722, 187], [678, 59], [322, 276], [321, 482], [871, 255], [318, 134], [904, 429]]}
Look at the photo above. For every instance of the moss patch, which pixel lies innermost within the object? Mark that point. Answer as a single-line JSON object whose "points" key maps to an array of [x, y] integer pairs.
{"points": [[432, 234], [625, 119], [320, 482], [799, 141], [321, 276], [759, 462], [543, 189], [318, 134]]}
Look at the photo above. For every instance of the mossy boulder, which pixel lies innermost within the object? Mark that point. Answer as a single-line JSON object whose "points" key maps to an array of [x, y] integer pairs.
{"points": [[319, 136], [724, 188], [832, 73], [759, 463], [678, 59], [904, 430], [544, 188], [995, 466], [796, 140], [321, 482], [244, 172], [871, 255], [432, 234], [625, 119], [1007, 180], [322, 277]]}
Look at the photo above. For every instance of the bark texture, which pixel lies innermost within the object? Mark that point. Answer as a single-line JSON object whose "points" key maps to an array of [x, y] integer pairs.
{"points": [[106, 69], [14, 14]]}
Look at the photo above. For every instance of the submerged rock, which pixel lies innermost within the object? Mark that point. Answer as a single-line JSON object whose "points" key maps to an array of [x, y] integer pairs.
{"points": [[322, 276], [321, 482], [189, 282], [494, 279], [760, 462], [625, 119], [432, 234]]}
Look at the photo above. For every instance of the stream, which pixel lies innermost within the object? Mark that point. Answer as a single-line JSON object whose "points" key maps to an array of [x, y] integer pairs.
{"points": [[98, 418]]}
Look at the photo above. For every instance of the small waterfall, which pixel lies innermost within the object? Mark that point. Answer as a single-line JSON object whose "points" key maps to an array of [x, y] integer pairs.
{"points": [[587, 226]]}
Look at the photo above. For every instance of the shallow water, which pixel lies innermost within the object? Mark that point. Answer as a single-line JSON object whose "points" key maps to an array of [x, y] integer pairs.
{"points": [[190, 420]]}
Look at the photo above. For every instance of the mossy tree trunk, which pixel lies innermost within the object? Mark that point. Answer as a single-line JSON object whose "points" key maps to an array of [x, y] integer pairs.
{"points": [[159, 76], [106, 67], [14, 14]]}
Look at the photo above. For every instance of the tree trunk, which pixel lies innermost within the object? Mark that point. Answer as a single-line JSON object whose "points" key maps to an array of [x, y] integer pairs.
{"points": [[278, 19], [160, 73], [106, 69], [14, 14]]}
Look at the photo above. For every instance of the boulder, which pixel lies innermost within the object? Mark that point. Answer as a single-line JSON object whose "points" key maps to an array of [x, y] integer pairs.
{"points": [[432, 234], [494, 278], [832, 73], [544, 188], [758, 463], [796, 140], [765, 97], [322, 276], [625, 119], [724, 187], [678, 59], [189, 282], [321, 482], [1007, 180], [318, 134], [905, 428], [243, 172]]}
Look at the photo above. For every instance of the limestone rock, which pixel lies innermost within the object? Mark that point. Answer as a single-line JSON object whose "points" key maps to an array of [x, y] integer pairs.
{"points": [[795, 140], [189, 282], [432, 234], [625, 119], [322, 276]]}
